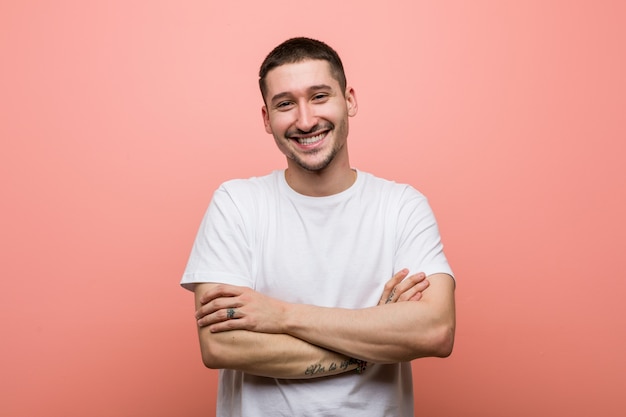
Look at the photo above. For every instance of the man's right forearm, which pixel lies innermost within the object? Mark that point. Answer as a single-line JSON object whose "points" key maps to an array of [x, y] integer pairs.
{"points": [[270, 355]]}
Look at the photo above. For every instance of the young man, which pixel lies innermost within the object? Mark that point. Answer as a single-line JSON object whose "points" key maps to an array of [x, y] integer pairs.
{"points": [[290, 270]]}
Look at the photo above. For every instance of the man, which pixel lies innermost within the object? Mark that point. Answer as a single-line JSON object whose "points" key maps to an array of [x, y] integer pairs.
{"points": [[290, 270]]}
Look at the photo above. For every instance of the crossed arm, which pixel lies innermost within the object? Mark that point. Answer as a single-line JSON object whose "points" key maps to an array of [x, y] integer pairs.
{"points": [[270, 337]]}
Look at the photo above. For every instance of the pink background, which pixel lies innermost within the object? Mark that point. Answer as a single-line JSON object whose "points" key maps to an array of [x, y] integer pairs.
{"points": [[119, 118]]}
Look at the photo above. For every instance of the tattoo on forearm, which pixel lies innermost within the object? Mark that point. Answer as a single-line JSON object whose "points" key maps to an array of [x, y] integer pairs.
{"points": [[315, 369], [318, 368], [345, 364]]}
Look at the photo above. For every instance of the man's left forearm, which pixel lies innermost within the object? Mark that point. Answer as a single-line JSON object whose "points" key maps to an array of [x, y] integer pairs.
{"points": [[389, 333]]}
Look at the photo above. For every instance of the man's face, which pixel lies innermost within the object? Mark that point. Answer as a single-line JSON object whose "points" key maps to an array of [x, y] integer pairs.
{"points": [[307, 113]]}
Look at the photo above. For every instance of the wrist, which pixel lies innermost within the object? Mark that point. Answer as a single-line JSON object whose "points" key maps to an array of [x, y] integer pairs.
{"points": [[291, 320]]}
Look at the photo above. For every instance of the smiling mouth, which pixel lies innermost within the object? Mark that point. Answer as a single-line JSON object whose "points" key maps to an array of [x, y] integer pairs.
{"points": [[310, 140]]}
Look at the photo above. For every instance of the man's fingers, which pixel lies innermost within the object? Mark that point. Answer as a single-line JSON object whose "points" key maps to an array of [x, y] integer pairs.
{"points": [[416, 297], [414, 292], [216, 305], [218, 316], [391, 284], [221, 290], [409, 289]]}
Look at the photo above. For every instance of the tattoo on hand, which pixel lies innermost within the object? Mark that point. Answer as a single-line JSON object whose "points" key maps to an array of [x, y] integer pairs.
{"points": [[393, 292]]}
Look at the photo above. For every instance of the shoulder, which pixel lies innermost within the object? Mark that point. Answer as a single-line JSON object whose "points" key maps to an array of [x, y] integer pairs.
{"points": [[250, 184], [391, 190], [248, 189], [247, 198]]}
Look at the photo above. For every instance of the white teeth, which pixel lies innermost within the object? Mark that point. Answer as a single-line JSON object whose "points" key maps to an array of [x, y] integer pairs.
{"points": [[311, 140]]}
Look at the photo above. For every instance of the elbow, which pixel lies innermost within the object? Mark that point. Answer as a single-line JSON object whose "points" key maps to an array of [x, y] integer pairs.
{"points": [[437, 342], [209, 361], [442, 341], [221, 350], [211, 357], [217, 349]]}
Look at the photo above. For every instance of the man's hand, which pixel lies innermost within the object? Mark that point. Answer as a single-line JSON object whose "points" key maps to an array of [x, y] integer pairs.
{"points": [[229, 307], [400, 289]]}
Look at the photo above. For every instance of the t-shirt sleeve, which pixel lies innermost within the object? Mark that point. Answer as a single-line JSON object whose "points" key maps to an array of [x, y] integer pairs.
{"points": [[419, 246], [221, 251]]}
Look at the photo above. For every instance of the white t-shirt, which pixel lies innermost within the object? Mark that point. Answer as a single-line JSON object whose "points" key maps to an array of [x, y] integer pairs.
{"points": [[335, 251]]}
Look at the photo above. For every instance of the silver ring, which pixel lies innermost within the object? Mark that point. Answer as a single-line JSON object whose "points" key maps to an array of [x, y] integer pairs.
{"points": [[230, 313]]}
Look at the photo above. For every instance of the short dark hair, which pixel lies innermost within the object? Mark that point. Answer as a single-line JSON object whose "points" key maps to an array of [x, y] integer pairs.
{"points": [[302, 49]]}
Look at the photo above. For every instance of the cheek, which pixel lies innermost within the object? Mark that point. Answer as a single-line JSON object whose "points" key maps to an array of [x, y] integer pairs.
{"points": [[277, 125], [283, 148]]}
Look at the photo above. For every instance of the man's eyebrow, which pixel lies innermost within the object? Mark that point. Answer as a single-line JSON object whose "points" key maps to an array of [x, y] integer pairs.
{"points": [[319, 87], [311, 89], [280, 96]]}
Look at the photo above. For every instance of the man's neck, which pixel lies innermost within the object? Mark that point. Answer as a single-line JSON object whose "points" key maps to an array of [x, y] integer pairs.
{"points": [[329, 181]]}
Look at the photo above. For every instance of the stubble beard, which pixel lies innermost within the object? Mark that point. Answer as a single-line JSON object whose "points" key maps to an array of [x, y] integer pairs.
{"points": [[326, 161], [320, 165]]}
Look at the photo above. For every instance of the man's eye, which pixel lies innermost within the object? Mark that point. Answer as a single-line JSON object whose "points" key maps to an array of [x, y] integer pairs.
{"points": [[319, 97], [283, 104]]}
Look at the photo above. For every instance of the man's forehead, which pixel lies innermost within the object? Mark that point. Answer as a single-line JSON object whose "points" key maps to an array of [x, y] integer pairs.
{"points": [[299, 75]]}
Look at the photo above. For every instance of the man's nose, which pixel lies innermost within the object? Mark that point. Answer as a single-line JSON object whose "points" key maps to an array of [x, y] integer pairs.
{"points": [[306, 118]]}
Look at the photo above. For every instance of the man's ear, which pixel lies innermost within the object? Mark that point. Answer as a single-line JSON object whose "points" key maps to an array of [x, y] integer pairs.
{"points": [[351, 102], [266, 119]]}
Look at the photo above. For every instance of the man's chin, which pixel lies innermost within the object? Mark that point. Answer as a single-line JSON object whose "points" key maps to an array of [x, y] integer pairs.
{"points": [[312, 166]]}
